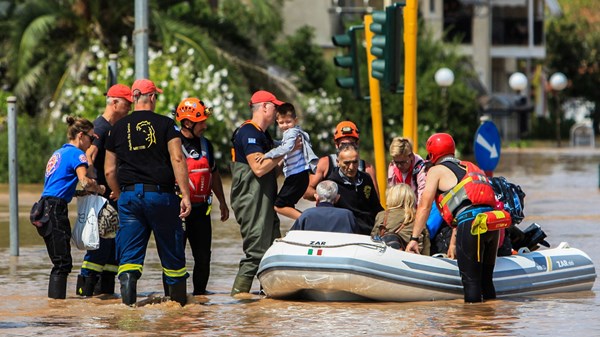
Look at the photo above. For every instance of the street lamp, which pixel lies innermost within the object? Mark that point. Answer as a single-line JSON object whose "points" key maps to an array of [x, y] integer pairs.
{"points": [[558, 81], [517, 82], [444, 78]]}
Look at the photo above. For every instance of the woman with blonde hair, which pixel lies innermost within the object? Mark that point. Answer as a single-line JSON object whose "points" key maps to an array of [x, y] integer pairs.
{"points": [[406, 167], [395, 225]]}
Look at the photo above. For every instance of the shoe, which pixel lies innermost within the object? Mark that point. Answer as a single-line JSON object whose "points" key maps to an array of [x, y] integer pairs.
{"points": [[128, 288], [57, 287], [107, 283]]}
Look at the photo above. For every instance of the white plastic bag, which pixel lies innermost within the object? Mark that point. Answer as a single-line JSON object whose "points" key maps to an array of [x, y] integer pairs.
{"points": [[85, 232]]}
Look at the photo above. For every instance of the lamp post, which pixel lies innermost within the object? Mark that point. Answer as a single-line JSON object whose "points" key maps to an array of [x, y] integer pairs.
{"points": [[558, 81], [517, 82], [444, 78]]}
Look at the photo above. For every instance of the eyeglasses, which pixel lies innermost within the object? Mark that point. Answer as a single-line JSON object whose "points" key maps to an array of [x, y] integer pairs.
{"points": [[90, 136], [401, 162]]}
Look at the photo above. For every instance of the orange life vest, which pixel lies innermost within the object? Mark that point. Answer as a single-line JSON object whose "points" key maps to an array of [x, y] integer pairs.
{"points": [[200, 175], [474, 189]]}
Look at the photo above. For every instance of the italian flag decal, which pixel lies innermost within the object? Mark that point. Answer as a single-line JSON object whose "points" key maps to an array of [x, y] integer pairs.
{"points": [[315, 252]]}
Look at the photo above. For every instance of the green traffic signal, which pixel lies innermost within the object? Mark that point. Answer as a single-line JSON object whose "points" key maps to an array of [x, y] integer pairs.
{"points": [[387, 46], [349, 61]]}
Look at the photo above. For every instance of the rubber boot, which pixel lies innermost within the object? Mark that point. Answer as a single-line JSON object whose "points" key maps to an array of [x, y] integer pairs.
{"points": [[57, 287], [242, 284], [85, 285], [201, 275], [107, 284], [178, 292], [128, 288], [165, 285]]}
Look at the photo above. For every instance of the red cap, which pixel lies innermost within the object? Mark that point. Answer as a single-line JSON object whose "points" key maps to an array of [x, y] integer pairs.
{"points": [[144, 86], [120, 91], [263, 96]]}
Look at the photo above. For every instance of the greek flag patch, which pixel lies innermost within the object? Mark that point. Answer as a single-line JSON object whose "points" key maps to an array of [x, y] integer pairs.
{"points": [[251, 140]]}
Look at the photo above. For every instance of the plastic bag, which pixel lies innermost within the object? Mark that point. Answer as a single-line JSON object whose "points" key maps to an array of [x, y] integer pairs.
{"points": [[85, 233]]}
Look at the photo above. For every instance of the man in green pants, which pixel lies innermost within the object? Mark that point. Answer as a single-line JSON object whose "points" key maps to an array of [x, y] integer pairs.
{"points": [[254, 187]]}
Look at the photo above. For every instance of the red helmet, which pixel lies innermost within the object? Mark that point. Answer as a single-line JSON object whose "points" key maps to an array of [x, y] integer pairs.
{"points": [[192, 109], [439, 145], [346, 129]]}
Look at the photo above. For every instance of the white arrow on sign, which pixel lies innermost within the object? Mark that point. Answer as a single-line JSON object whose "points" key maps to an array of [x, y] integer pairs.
{"points": [[492, 148]]}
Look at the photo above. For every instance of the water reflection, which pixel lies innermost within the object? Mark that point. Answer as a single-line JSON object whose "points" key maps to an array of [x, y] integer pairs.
{"points": [[562, 196]]}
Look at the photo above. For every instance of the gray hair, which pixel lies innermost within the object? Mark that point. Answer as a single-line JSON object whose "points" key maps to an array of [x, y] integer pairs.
{"points": [[327, 191]]}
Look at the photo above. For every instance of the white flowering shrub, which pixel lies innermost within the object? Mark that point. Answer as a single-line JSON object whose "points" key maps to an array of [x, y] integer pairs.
{"points": [[179, 76]]}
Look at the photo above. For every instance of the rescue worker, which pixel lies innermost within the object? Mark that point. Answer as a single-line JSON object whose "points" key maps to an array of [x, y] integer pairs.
{"points": [[356, 189], [346, 132], [143, 161], [204, 179], [254, 187], [100, 265], [461, 191]]}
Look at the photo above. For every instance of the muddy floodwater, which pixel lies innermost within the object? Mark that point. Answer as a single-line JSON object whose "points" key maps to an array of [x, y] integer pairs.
{"points": [[563, 196]]}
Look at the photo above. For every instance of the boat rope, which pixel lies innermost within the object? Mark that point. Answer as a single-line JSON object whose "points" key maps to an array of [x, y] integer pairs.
{"points": [[380, 247]]}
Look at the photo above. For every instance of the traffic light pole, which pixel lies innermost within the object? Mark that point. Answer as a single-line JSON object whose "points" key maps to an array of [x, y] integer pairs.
{"points": [[410, 72], [377, 120]]}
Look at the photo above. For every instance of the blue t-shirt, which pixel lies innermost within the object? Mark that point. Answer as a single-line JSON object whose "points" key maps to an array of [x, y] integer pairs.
{"points": [[248, 139], [61, 176]]}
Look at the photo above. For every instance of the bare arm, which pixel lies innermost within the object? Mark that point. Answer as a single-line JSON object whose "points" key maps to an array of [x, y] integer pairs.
{"points": [[88, 184], [110, 172], [181, 175], [91, 154], [264, 166], [217, 187], [424, 208], [315, 179]]}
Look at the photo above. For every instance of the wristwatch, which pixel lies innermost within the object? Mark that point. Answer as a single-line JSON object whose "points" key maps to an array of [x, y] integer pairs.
{"points": [[414, 238]]}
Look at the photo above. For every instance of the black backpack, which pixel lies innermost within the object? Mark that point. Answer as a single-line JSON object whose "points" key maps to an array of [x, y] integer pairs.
{"points": [[511, 195]]}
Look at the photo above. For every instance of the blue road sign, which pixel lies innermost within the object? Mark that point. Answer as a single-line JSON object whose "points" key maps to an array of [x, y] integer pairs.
{"points": [[487, 146]]}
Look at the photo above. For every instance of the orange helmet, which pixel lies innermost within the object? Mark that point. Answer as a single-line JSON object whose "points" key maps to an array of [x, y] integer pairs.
{"points": [[192, 109], [346, 129], [439, 145]]}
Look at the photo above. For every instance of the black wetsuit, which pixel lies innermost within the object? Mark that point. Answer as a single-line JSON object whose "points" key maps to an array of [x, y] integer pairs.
{"points": [[476, 273]]}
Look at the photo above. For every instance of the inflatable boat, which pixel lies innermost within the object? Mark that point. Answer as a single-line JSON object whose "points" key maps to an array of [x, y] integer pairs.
{"points": [[324, 266]]}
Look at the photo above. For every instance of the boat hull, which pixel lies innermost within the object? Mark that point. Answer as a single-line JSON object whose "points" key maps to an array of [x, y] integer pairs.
{"points": [[325, 266]]}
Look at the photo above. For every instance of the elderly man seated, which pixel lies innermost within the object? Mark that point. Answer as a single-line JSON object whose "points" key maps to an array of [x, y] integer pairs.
{"points": [[325, 216]]}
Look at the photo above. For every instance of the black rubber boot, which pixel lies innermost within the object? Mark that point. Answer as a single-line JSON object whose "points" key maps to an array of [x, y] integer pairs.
{"points": [[165, 285], [57, 287], [128, 288], [85, 285], [201, 274], [178, 292], [242, 284], [107, 284]]}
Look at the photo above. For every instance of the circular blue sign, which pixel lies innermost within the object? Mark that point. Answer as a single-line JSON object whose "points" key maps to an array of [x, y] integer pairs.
{"points": [[487, 146]]}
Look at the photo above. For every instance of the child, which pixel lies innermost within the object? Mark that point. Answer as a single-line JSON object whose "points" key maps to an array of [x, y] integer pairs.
{"points": [[297, 164], [395, 225]]}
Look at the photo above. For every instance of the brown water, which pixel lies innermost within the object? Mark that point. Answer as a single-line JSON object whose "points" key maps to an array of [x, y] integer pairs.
{"points": [[562, 195]]}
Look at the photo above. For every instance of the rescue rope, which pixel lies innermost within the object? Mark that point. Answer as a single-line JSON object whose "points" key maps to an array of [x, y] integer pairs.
{"points": [[381, 247]]}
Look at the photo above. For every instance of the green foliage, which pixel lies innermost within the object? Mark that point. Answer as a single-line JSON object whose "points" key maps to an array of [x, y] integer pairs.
{"points": [[578, 58], [35, 144], [303, 58]]}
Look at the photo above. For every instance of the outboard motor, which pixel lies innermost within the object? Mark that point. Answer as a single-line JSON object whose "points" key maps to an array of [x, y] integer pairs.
{"points": [[531, 237]]}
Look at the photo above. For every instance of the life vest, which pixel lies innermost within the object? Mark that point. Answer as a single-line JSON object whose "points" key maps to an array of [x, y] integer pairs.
{"points": [[199, 172], [473, 189]]}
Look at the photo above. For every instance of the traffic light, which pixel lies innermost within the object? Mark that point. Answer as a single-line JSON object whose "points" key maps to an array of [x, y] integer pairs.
{"points": [[388, 46], [349, 61]]}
